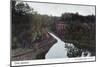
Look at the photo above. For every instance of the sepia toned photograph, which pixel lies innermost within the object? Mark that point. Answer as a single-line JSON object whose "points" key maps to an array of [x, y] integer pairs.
{"points": [[46, 31]]}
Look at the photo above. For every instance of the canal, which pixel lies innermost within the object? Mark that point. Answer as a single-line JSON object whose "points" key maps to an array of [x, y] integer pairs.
{"points": [[58, 50]]}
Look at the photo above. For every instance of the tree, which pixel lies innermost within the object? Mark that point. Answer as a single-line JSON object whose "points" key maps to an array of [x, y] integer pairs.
{"points": [[21, 23]]}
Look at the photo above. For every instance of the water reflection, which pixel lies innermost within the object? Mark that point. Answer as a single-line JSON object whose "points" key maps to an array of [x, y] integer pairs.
{"points": [[65, 50]]}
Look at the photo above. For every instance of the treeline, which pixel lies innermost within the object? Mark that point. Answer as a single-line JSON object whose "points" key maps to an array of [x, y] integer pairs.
{"points": [[29, 27], [80, 30]]}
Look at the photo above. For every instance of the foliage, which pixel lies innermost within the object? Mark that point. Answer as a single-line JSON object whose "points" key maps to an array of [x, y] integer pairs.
{"points": [[80, 29], [28, 26]]}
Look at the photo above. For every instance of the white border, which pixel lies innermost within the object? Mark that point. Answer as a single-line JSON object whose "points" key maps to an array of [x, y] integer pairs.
{"points": [[5, 32], [52, 61]]}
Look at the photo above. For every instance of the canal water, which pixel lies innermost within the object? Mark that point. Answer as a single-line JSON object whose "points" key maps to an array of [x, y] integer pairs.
{"points": [[58, 50]]}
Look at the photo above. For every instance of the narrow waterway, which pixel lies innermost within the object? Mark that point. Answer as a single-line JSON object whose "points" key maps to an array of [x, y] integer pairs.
{"points": [[58, 50]]}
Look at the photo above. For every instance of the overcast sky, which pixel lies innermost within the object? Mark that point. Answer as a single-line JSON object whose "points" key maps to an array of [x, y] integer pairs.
{"points": [[58, 9]]}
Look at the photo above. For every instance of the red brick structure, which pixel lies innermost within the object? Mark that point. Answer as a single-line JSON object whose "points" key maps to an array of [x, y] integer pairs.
{"points": [[61, 28]]}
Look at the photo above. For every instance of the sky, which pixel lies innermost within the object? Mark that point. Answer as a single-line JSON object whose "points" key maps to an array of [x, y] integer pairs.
{"points": [[58, 9]]}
